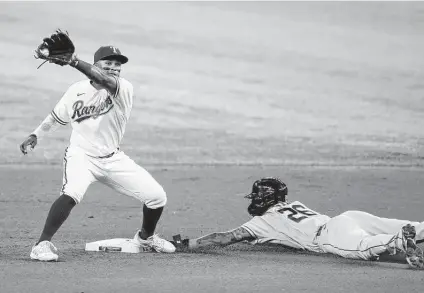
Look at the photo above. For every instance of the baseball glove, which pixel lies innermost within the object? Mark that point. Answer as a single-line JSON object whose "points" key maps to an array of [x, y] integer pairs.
{"points": [[179, 243], [58, 49]]}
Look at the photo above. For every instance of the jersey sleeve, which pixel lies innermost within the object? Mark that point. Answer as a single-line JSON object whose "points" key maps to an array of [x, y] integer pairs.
{"points": [[258, 228], [60, 111], [264, 229]]}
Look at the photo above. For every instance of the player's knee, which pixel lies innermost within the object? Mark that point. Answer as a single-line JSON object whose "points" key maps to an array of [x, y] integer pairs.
{"points": [[157, 199]]}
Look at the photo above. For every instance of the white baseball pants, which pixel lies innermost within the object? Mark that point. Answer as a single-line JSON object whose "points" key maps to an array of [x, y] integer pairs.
{"points": [[119, 172], [360, 235]]}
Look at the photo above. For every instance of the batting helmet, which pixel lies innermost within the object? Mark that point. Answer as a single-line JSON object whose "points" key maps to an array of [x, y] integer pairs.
{"points": [[266, 192]]}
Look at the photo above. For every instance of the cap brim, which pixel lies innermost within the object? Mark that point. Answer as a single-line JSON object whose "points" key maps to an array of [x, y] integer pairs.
{"points": [[121, 58]]}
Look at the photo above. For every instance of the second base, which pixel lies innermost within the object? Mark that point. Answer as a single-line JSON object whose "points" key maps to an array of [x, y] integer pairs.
{"points": [[116, 245]]}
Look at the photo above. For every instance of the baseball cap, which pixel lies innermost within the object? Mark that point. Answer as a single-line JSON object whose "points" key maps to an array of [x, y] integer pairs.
{"points": [[109, 52]]}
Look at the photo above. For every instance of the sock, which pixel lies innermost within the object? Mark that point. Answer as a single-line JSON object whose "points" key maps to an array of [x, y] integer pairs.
{"points": [[58, 213], [150, 219]]}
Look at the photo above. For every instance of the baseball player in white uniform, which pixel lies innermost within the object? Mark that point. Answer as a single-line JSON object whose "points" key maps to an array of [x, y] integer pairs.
{"points": [[98, 110], [353, 234]]}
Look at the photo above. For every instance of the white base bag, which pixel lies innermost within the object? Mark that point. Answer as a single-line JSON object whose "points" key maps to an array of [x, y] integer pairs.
{"points": [[116, 245]]}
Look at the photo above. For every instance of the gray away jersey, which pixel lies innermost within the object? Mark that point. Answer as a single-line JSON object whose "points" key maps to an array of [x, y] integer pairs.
{"points": [[290, 224]]}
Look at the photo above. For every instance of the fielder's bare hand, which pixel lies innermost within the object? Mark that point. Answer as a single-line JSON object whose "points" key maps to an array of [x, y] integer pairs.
{"points": [[30, 141]]}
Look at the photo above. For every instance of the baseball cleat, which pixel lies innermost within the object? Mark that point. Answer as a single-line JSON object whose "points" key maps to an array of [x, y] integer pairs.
{"points": [[155, 243], [414, 254], [44, 251]]}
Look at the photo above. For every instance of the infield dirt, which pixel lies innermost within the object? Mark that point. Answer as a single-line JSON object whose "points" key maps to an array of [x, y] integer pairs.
{"points": [[326, 95]]}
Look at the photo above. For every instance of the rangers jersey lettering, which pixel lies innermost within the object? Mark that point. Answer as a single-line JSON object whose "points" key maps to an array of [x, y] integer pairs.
{"points": [[82, 112], [290, 224], [98, 119]]}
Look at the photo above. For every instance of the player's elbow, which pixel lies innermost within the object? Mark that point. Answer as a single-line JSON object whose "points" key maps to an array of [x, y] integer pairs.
{"points": [[110, 84]]}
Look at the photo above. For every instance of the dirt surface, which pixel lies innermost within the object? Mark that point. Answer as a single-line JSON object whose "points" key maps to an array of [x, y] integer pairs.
{"points": [[326, 95], [201, 200]]}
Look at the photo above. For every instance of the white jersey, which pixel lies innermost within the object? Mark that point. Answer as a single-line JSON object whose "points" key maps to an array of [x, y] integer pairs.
{"points": [[290, 224], [98, 119]]}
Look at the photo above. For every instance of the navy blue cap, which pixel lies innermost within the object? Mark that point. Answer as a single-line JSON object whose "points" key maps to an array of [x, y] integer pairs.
{"points": [[109, 52]]}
